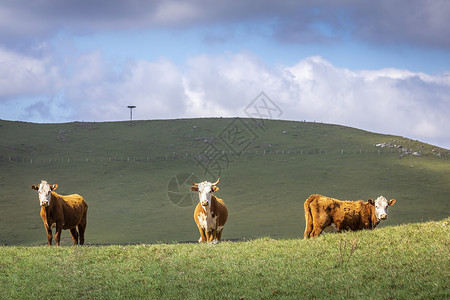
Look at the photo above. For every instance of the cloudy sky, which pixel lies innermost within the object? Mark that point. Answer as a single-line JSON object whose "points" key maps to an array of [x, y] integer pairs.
{"points": [[382, 66]]}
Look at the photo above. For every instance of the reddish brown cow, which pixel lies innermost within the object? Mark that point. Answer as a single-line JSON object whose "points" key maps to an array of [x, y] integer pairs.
{"points": [[211, 213], [62, 212], [322, 211]]}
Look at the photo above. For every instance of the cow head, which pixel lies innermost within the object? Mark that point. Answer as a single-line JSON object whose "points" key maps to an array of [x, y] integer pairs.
{"points": [[204, 190], [381, 207], [45, 191]]}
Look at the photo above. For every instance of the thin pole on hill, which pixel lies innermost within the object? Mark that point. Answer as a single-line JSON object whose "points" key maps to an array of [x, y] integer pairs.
{"points": [[131, 113]]}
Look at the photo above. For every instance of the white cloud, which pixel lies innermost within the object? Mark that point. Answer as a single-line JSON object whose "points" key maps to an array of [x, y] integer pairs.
{"points": [[223, 85], [22, 75]]}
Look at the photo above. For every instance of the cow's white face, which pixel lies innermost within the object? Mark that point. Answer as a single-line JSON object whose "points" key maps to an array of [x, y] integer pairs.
{"points": [[381, 207], [204, 190], [44, 192]]}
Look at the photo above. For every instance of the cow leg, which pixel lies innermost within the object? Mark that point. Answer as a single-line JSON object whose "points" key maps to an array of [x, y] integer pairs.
{"points": [[212, 235], [313, 227], [58, 233], [74, 234], [320, 225], [49, 235], [202, 235], [208, 236], [309, 220], [308, 230], [81, 230], [219, 234], [313, 219], [318, 229]]}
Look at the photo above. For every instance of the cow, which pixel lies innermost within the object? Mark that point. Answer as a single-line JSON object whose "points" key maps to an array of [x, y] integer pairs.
{"points": [[322, 211], [61, 212], [210, 213]]}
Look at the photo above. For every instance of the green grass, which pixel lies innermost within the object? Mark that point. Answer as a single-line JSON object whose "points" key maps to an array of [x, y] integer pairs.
{"points": [[397, 262], [124, 173]]}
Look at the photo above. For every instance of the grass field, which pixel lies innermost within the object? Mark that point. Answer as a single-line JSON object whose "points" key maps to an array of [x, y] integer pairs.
{"points": [[408, 261], [127, 174]]}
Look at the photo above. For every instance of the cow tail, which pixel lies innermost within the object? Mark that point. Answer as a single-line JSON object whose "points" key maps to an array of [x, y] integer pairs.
{"points": [[308, 217]]}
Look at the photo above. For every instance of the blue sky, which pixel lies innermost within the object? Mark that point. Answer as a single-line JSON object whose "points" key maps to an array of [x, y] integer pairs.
{"points": [[382, 66]]}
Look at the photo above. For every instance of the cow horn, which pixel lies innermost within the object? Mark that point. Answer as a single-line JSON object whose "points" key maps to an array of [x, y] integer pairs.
{"points": [[193, 183], [215, 183]]}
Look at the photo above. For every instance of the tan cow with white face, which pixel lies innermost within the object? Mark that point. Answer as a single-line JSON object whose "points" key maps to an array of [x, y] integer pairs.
{"points": [[61, 212], [322, 212], [210, 213]]}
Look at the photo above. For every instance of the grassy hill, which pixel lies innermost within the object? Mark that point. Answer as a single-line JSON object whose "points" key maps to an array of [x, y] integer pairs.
{"points": [[135, 178], [397, 262]]}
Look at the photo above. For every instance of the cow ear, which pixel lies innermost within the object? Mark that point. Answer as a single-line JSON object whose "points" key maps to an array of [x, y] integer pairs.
{"points": [[391, 202], [34, 187], [214, 188], [53, 187], [194, 188], [371, 201]]}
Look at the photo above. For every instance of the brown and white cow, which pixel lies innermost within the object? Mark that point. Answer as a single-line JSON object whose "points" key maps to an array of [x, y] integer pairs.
{"points": [[62, 212], [322, 211], [210, 213]]}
